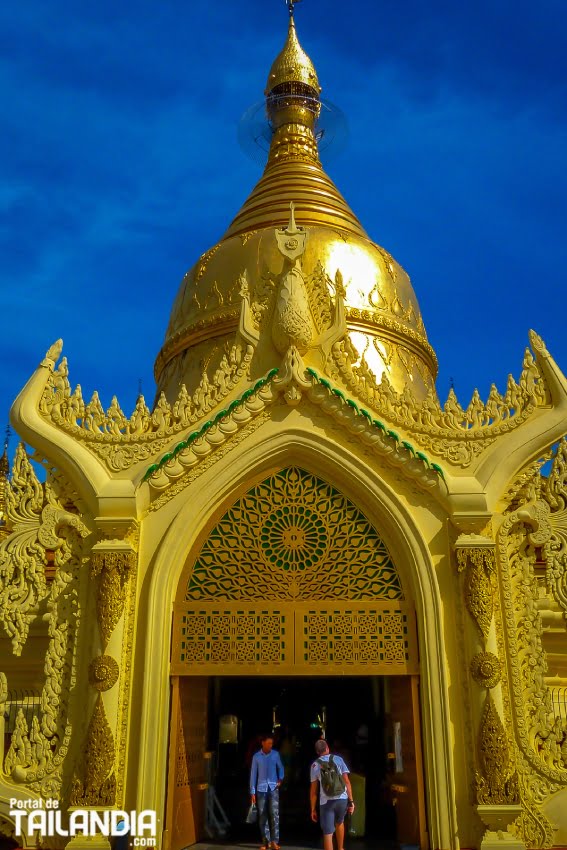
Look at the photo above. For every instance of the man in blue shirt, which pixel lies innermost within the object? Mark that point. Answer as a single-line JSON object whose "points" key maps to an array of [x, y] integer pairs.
{"points": [[332, 806], [266, 776]]}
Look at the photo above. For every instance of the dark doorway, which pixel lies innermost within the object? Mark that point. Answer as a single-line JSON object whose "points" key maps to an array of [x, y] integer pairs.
{"points": [[352, 714]]}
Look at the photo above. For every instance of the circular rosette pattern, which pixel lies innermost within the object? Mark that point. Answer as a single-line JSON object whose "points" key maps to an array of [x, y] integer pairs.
{"points": [[486, 669], [294, 538], [103, 672]]}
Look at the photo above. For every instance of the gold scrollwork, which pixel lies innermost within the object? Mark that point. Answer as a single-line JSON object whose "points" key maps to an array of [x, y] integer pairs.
{"points": [[486, 669], [103, 672]]}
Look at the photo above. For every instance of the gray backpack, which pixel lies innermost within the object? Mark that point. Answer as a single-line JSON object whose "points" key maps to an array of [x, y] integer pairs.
{"points": [[331, 778]]}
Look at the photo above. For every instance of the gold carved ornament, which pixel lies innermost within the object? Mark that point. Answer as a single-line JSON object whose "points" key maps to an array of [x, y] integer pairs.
{"points": [[113, 568], [486, 669], [478, 565], [94, 783], [450, 431], [103, 672], [495, 782], [43, 518], [121, 441], [256, 595]]}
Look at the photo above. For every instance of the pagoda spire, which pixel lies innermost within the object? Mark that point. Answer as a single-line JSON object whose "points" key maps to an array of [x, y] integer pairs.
{"points": [[293, 171]]}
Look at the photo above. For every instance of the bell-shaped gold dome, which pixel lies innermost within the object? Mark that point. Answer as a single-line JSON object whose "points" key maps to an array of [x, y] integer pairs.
{"points": [[292, 64], [383, 317]]}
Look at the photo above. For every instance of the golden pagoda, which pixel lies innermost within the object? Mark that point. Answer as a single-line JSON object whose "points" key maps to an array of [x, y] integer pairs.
{"points": [[297, 525]]}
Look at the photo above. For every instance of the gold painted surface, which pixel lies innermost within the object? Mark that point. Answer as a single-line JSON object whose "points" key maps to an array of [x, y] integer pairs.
{"points": [[486, 669], [382, 312], [478, 564], [262, 594], [103, 672]]}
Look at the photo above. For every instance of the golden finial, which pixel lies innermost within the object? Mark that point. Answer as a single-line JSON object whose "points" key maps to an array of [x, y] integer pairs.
{"points": [[292, 65]]}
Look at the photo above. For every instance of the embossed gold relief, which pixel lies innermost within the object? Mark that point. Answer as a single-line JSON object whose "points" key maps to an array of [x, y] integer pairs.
{"points": [[94, 783], [113, 566], [280, 540], [555, 493], [486, 669], [495, 782], [42, 518], [122, 441], [292, 380], [478, 565], [542, 734], [450, 431], [103, 672]]}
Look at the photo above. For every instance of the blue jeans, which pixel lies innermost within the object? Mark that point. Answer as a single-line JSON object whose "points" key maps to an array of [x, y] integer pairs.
{"points": [[268, 803]]}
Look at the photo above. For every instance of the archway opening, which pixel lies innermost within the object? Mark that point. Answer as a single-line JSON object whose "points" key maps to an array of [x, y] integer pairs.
{"points": [[290, 614]]}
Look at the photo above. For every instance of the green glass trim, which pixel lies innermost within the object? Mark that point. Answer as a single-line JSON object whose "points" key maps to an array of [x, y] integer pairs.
{"points": [[210, 423], [358, 411]]}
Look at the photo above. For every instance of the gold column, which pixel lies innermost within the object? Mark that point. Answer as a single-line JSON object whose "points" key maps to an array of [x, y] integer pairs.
{"points": [[98, 780], [496, 781]]}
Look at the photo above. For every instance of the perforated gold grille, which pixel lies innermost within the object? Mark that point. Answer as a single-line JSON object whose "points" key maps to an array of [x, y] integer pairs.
{"points": [[293, 579], [243, 637], [299, 638], [293, 537]]}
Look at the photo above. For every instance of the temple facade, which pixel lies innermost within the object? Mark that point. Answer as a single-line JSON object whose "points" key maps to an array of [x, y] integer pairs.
{"points": [[298, 509]]}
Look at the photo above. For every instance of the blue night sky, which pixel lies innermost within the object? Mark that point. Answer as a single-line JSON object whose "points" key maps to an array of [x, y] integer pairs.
{"points": [[120, 166]]}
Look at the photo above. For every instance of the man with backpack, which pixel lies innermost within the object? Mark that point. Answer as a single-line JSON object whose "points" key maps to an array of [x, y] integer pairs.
{"points": [[335, 795]]}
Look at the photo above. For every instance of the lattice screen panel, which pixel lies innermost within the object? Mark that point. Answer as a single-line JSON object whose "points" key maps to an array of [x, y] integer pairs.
{"points": [[353, 637], [239, 636], [303, 638]]}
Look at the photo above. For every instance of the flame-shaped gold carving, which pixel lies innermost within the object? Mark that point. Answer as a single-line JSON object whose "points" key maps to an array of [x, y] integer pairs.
{"points": [[478, 564], [96, 783]]}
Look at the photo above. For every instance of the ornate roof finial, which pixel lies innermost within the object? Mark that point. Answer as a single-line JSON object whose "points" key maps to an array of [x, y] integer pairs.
{"points": [[292, 65], [290, 4]]}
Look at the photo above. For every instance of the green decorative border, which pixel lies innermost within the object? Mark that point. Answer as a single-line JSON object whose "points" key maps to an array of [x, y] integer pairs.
{"points": [[375, 423], [222, 414]]}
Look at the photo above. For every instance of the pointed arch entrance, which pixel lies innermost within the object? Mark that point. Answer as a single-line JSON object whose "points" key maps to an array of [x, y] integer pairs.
{"points": [[291, 580]]}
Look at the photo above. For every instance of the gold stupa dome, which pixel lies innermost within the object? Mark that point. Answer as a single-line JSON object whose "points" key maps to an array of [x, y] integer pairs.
{"points": [[383, 317]]}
